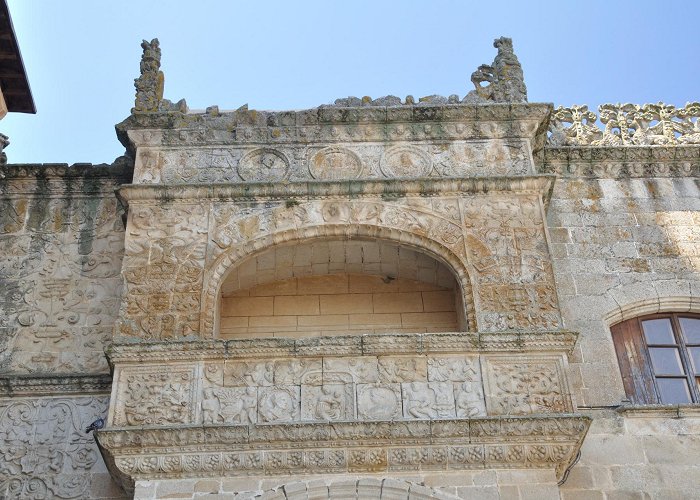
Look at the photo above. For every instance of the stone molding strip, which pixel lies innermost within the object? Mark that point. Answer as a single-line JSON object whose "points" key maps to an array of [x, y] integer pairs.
{"points": [[659, 411], [48, 385], [622, 162], [356, 345], [387, 189], [119, 169], [342, 447]]}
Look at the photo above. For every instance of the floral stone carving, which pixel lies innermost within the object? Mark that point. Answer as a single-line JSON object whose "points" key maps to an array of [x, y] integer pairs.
{"points": [[45, 451]]}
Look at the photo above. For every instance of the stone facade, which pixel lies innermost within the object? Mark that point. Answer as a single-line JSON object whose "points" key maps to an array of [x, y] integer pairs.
{"points": [[374, 299]]}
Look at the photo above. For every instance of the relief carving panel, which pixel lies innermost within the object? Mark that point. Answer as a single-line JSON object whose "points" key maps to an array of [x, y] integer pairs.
{"points": [[60, 274], [508, 250], [263, 165], [528, 384], [335, 162], [155, 395], [162, 271]]}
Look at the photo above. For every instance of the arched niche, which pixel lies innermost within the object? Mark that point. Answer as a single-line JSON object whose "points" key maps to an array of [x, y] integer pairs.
{"points": [[342, 285]]}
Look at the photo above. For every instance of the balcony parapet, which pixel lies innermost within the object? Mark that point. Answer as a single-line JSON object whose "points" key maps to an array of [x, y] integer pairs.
{"points": [[376, 402]]}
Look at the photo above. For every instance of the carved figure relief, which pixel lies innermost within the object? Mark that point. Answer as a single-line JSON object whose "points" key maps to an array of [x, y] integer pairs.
{"points": [[248, 373], [428, 400], [278, 404], [335, 162], [327, 402], [469, 399], [360, 370], [236, 405], [453, 369], [292, 371], [378, 402], [263, 165], [406, 161], [483, 158], [400, 369]]}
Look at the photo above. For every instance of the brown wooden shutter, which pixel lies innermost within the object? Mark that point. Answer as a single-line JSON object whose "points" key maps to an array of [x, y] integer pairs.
{"points": [[635, 367]]}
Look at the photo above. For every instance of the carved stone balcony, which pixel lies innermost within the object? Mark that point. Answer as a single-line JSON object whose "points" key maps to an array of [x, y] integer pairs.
{"points": [[371, 403]]}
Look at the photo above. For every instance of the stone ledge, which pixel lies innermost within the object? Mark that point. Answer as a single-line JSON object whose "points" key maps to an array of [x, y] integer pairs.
{"points": [[356, 345], [660, 411], [387, 189], [52, 385], [377, 446]]}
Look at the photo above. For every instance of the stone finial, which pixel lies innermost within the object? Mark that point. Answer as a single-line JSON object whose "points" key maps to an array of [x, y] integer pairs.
{"points": [[504, 77], [149, 86]]}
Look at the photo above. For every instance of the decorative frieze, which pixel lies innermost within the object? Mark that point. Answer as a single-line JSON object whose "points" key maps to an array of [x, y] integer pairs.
{"points": [[623, 162], [336, 447], [300, 162]]}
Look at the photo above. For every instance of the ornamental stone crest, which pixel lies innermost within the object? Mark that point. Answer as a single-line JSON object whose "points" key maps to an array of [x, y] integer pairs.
{"points": [[503, 78]]}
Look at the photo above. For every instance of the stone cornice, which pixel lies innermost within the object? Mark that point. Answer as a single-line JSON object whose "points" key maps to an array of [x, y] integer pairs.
{"points": [[342, 447], [48, 180], [359, 345], [53, 385], [622, 161], [387, 189], [119, 170], [253, 126]]}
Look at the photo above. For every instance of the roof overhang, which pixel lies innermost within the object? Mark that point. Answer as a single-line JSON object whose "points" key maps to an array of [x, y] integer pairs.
{"points": [[13, 77]]}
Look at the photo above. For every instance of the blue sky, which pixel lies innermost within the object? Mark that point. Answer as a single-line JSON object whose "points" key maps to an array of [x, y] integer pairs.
{"points": [[82, 56]]}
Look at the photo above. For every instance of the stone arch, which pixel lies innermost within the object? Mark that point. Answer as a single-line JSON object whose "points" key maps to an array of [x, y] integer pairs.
{"points": [[651, 297], [217, 272], [361, 489]]}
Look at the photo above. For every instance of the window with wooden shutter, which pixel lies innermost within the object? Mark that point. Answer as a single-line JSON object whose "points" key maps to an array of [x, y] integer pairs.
{"points": [[659, 358]]}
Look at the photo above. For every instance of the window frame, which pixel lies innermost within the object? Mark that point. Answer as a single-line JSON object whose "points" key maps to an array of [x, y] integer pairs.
{"points": [[636, 366]]}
